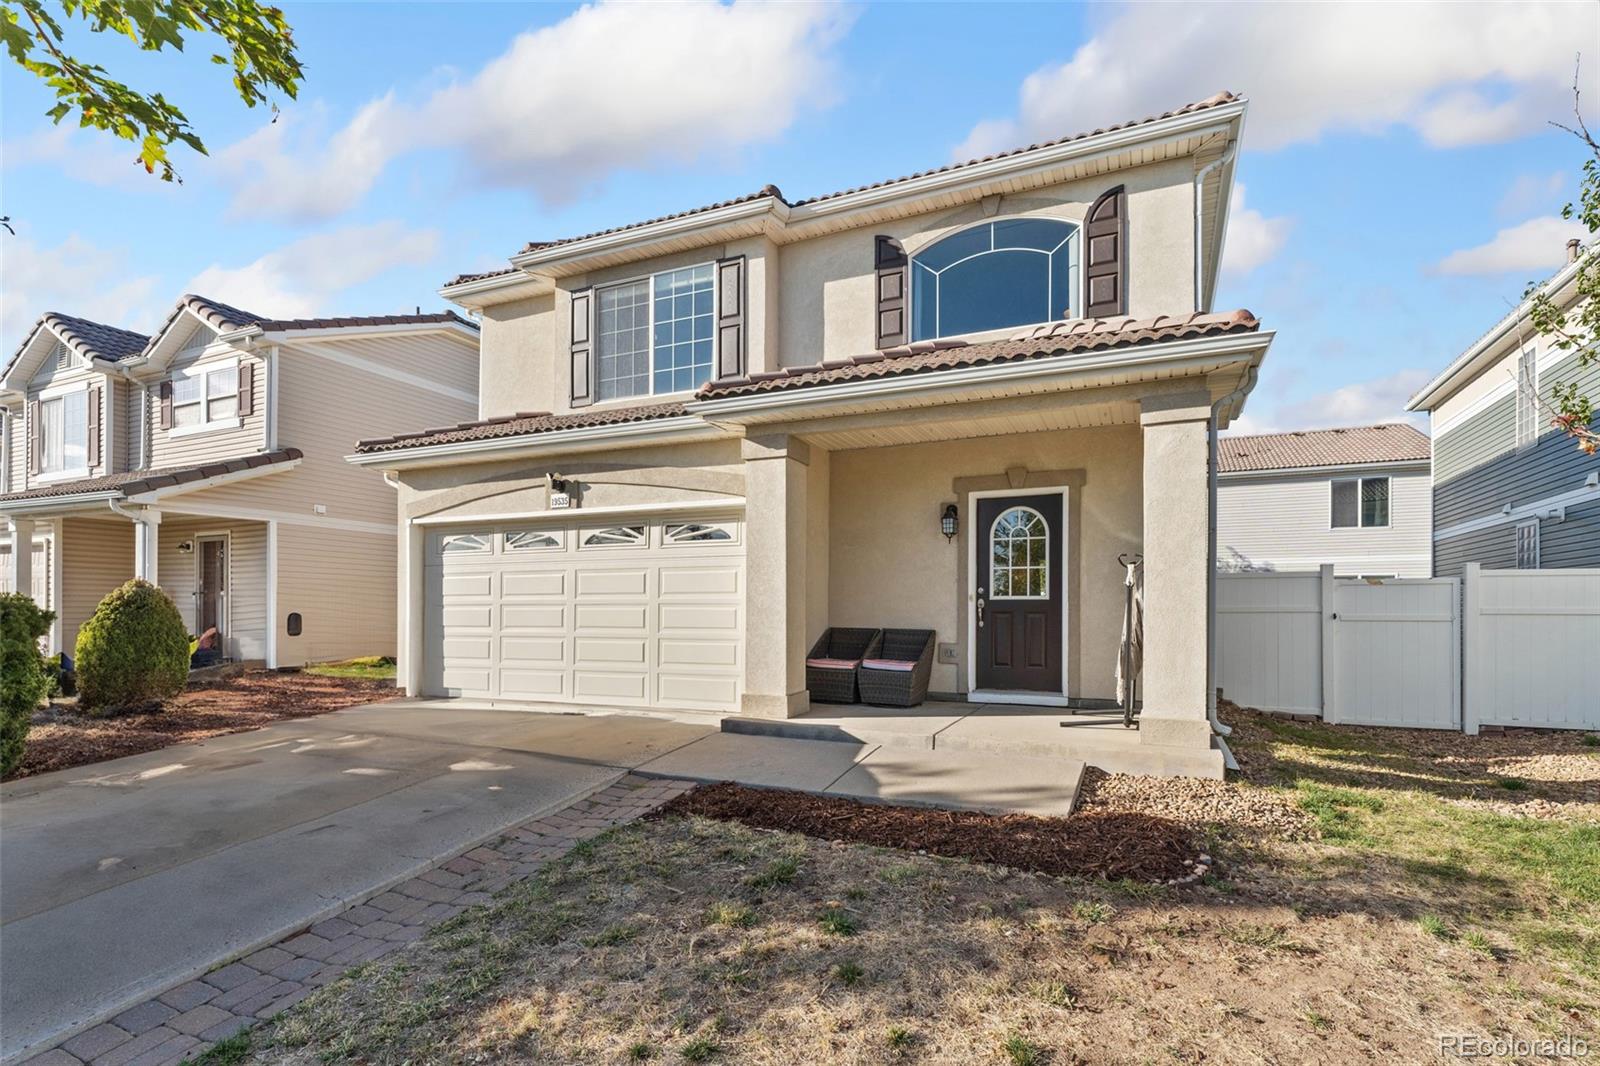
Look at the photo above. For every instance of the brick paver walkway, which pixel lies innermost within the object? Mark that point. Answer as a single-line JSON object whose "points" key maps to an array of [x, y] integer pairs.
{"points": [[184, 1021]]}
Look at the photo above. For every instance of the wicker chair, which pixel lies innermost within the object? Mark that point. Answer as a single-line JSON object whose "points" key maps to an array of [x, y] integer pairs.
{"points": [[831, 665], [896, 674]]}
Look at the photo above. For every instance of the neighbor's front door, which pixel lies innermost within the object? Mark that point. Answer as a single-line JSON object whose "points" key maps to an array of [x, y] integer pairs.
{"points": [[1019, 593], [211, 586]]}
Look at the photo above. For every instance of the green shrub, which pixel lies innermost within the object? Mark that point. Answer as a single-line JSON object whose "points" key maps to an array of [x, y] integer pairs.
{"points": [[23, 682], [133, 652]]}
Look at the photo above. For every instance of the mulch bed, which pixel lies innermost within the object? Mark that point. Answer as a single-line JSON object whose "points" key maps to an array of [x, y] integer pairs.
{"points": [[61, 738], [1114, 846]]}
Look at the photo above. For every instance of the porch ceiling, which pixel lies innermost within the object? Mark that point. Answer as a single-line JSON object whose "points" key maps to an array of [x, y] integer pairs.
{"points": [[957, 422]]}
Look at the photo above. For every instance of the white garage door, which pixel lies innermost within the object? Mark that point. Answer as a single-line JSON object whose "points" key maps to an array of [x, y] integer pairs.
{"points": [[631, 613]]}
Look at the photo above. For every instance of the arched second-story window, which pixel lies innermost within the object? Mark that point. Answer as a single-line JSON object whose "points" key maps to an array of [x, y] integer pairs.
{"points": [[997, 275]]}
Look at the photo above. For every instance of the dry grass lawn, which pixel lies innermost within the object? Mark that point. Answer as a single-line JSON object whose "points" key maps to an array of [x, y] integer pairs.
{"points": [[1437, 899]]}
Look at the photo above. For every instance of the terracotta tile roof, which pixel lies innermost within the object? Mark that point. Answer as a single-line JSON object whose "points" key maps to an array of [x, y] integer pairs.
{"points": [[1074, 336], [771, 191], [1391, 442], [520, 425], [133, 482], [462, 279]]}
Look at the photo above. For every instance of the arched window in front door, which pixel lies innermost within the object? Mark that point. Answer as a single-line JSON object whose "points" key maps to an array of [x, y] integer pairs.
{"points": [[997, 275], [1019, 555]]}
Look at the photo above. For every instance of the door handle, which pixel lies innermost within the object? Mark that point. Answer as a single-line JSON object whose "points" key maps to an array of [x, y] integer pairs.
{"points": [[981, 602]]}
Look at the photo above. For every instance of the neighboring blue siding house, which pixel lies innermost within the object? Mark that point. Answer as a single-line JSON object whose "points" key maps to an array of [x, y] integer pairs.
{"points": [[1510, 490]]}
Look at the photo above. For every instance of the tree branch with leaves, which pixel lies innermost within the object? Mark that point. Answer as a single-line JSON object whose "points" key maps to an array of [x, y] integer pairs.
{"points": [[257, 44], [1576, 329]]}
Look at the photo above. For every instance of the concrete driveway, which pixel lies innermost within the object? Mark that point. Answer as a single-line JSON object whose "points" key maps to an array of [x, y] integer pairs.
{"points": [[121, 879]]}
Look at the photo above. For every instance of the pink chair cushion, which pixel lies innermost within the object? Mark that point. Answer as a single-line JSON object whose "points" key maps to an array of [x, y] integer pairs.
{"points": [[888, 664], [834, 664]]}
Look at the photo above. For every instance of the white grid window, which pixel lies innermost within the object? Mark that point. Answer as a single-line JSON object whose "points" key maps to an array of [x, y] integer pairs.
{"points": [[64, 433], [1019, 548], [1528, 545], [623, 338], [202, 397], [1527, 397], [655, 335]]}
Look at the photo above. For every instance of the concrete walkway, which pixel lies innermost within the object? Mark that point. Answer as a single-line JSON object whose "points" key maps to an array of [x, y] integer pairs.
{"points": [[125, 878]]}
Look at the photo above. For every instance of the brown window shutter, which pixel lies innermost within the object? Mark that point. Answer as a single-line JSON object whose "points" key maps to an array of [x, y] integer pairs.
{"points": [[165, 417], [94, 413], [889, 260], [247, 389], [582, 347], [1106, 258], [35, 443], [730, 317]]}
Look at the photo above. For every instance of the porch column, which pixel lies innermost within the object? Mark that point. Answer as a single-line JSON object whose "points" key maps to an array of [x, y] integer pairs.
{"points": [[1176, 430], [775, 577], [408, 671], [22, 556], [146, 544]]}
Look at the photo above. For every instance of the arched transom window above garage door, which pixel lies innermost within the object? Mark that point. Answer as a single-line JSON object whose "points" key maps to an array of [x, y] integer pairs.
{"points": [[614, 537]]}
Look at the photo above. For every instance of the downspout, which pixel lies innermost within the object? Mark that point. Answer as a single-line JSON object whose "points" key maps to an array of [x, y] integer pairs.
{"points": [[1236, 396], [1199, 183]]}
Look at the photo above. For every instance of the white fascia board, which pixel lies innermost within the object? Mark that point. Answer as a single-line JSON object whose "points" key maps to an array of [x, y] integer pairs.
{"points": [[249, 474], [1238, 347], [1429, 393], [79, 501], [289, 336], [679, 430], [652, 231], [574, 513], [1397, 466]]}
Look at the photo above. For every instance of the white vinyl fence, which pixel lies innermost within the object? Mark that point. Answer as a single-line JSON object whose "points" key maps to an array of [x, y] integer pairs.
{"points": [[1500, 647]]}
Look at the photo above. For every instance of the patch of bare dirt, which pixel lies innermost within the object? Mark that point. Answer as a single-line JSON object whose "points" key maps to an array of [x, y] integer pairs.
{"points": [[1114, 845], [62, 738]]}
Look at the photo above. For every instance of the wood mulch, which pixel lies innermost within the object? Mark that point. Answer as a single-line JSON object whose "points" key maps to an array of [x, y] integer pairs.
{"points": [[1110, 845], [62, 738]]}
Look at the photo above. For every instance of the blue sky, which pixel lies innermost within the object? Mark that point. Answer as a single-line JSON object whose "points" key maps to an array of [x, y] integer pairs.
{"points": [[1399, 181]]}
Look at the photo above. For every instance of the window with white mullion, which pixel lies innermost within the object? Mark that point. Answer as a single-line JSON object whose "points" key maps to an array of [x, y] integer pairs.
{"points": [[1527, 397], [202, 397], [64, 433], [655, 335], [622, 337]]}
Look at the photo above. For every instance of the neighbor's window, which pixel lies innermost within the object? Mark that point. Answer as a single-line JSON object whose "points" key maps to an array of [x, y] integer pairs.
{"points": [[1015, 272], [655, 335], [1527, 397], [1019, 548], [201, 397], [1528, 545], [64, 433], [1360, 502]]}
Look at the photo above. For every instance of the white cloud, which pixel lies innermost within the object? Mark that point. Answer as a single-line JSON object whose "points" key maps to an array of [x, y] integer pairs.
{"points": [[75, 277], [1530, 193], [1537, 244], [302, 279], [85, 155], [613, 85], [1360, 404], [1253, 238], [1456, 75]]}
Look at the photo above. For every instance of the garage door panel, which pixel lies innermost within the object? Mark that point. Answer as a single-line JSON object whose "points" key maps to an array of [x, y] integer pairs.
{"points": [[598, 686], [546, 583], [700, 581], [603, 650], [653, 623], [698, 653], [519, 650], [613, 616], [612, 583], [530, 616]]}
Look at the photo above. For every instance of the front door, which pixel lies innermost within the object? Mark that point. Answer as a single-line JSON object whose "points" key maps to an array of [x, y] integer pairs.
{"points": [[211, 585], [1019, 593]]}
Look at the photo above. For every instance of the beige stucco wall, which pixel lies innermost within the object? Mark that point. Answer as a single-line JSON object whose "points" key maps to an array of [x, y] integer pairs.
{"points": [[890, 566], [812, 299]]}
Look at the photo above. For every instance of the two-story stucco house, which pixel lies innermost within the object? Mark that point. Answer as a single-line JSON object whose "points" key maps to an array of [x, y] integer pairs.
{"points": [[209, 459], [946, 401], [1360, 498], [1510, 490]]}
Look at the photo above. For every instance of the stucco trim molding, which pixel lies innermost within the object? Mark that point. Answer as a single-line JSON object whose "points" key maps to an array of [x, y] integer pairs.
{"points": [[1020, 480]]}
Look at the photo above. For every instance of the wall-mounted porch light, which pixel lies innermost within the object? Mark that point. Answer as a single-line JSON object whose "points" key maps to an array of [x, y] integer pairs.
{"points": [[947, 521]]}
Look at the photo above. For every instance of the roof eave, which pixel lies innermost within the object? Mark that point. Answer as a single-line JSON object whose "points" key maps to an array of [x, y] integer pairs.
{"points": [[675, 430], [1329, 468]]}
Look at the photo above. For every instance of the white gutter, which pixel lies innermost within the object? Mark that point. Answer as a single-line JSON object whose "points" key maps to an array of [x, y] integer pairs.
{"points": [[1384, 466], [1200, 303], [1229, 402], [675, 430], [1228, 347], [76, 502]]}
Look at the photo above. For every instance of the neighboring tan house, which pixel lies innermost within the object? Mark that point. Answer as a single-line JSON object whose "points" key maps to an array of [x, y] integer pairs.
{"points": [[947, 401], [210, 459], [1359, 498], [1509, 489]]}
